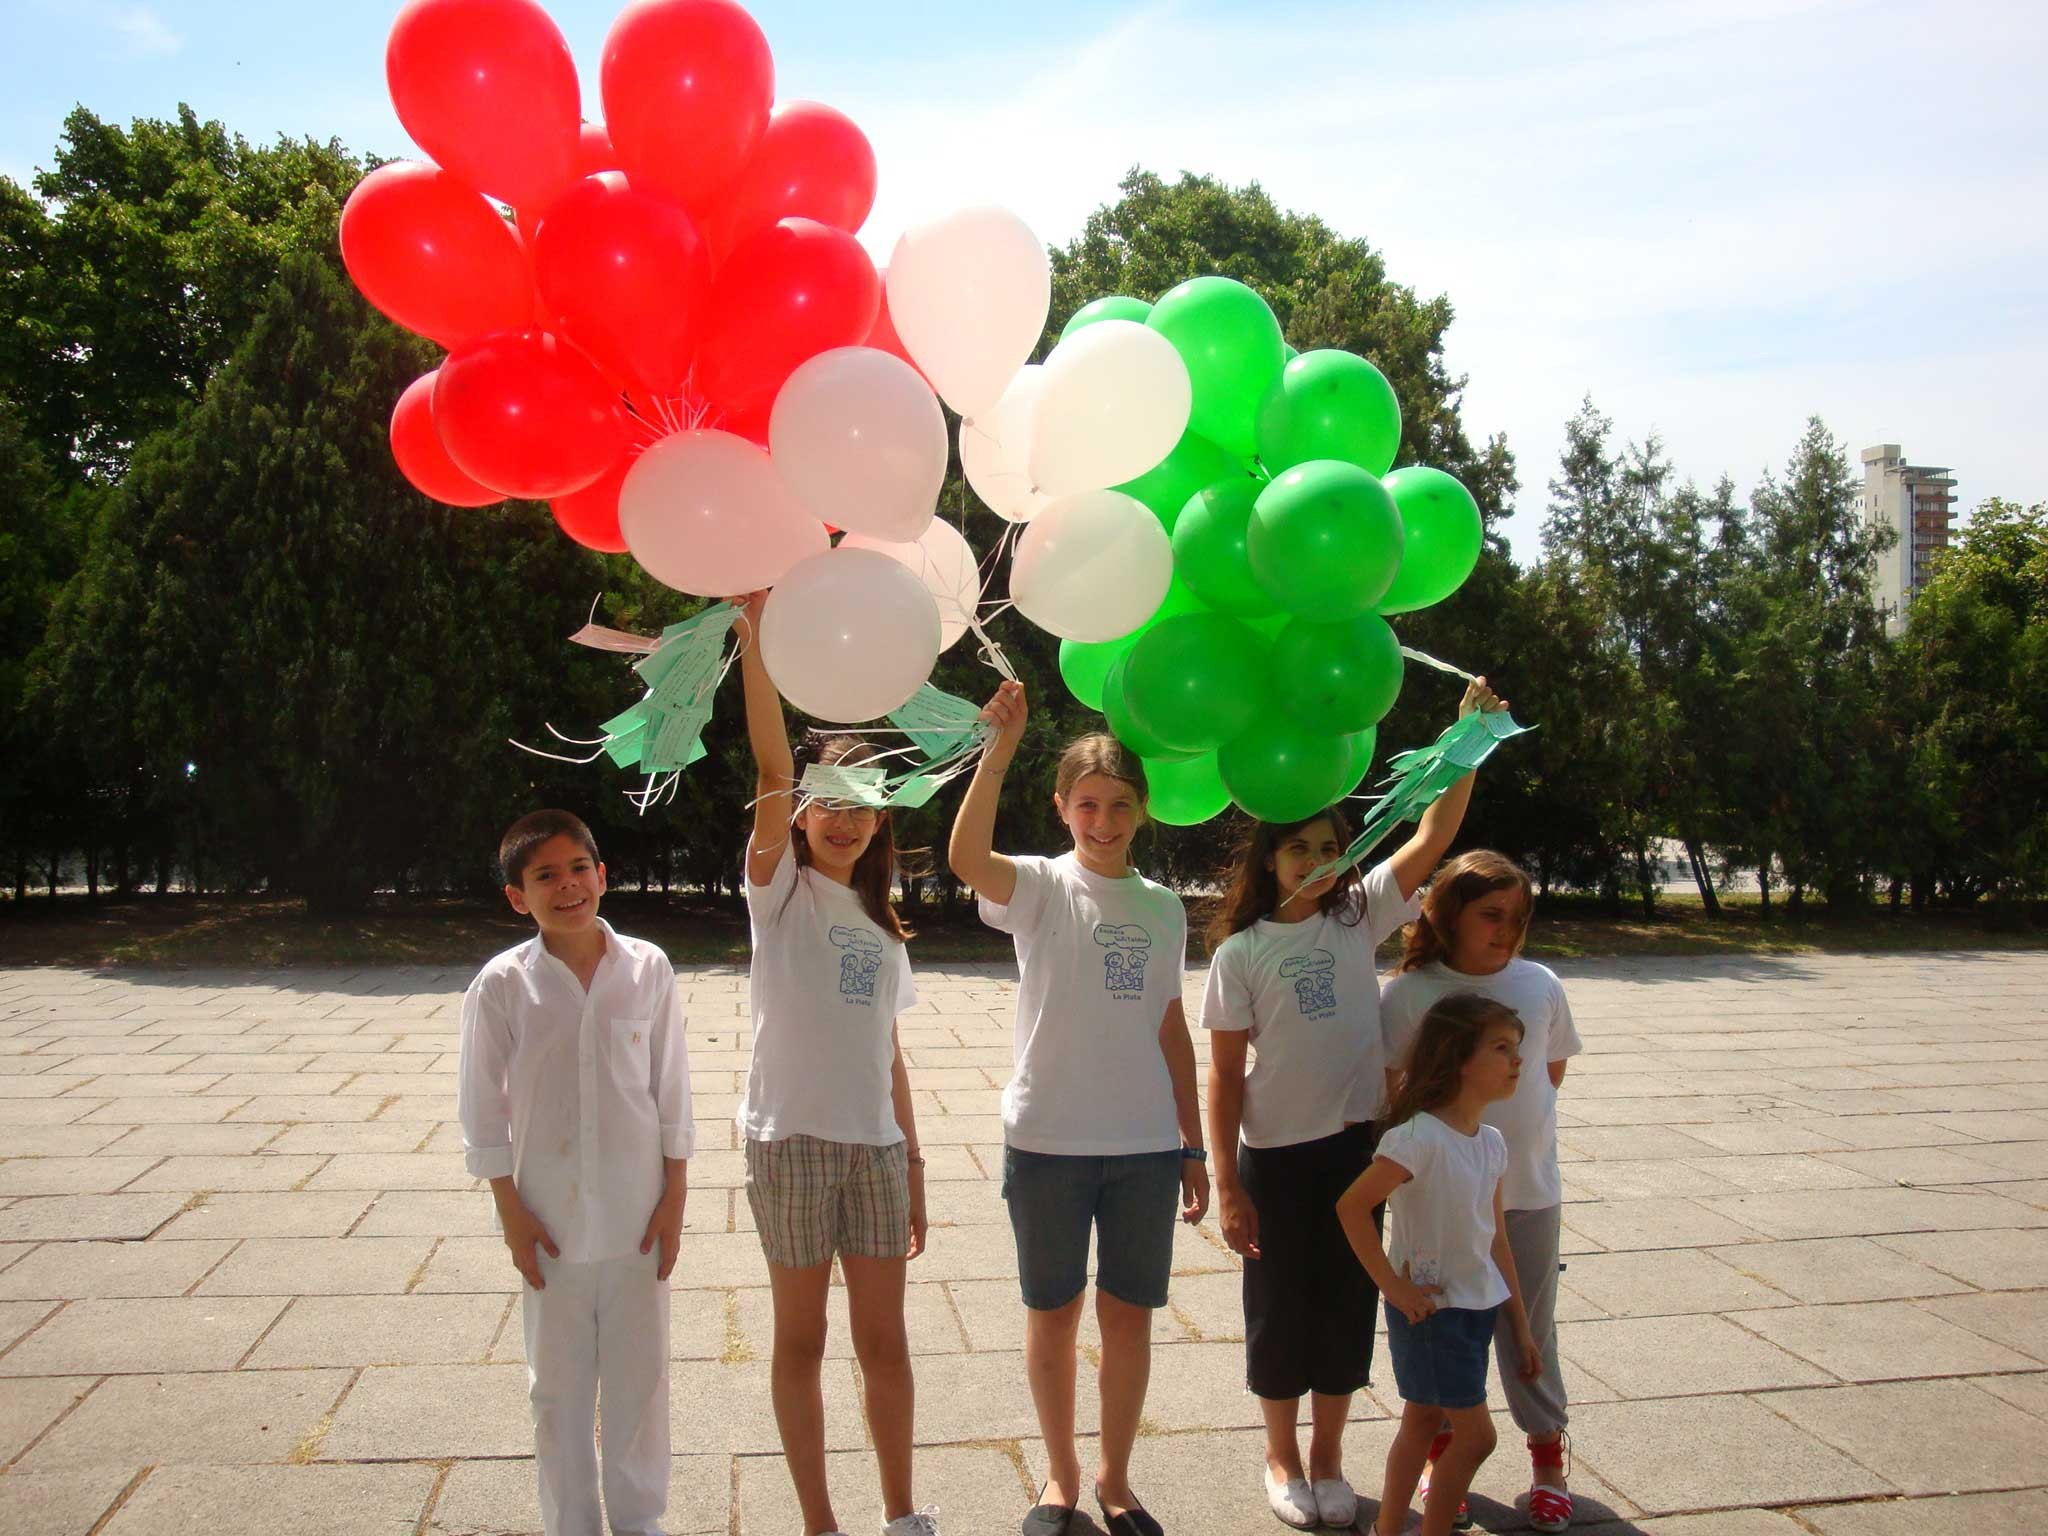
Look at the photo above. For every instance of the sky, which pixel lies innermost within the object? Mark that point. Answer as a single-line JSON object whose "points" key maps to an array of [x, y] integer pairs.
{"points": [[1715, 217]]}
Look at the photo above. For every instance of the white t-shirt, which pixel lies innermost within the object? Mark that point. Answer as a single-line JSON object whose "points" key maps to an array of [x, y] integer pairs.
{"points": [[577, 1094], [1529, 1119], [827, 985], [1099, 960], [1442, 1218], [1310, 996]]}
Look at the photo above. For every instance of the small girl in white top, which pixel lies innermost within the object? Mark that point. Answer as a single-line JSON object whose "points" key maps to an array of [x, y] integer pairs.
{"points": [[1101, 1123], [1449, 1274], [831, 1135], [1468, 939], [1292, 977]]}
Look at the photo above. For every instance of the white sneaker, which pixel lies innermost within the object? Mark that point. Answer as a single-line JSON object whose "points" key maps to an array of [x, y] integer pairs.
{"points": [[925, 1522], [1336, 1502], [1293, 1501]]}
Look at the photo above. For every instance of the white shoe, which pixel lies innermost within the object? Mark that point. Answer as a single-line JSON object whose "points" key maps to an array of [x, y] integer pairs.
{"points": [[1293, 1501], [924, 1522], [1336, 1502]]}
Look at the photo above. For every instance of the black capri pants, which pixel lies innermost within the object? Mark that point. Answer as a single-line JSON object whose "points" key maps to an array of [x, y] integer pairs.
{"points": [[1309, 1306]]}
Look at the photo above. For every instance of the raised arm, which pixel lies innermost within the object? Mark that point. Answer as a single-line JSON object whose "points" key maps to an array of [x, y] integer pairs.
{"points": [[774, 763], [1416, 858], [971, 850]]}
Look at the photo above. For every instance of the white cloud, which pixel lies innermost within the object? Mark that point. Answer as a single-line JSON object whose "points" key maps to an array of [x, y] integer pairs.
{"points": [[1718, 218], [141, 32]]}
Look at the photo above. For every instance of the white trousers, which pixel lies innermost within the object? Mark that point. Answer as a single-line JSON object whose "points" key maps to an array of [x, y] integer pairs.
{"points": [[599, 1332]]}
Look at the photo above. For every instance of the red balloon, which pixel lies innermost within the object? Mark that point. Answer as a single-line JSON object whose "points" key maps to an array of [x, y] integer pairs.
{"points": [[488, 89], [812, 163], [527, 414], [626, 277], [591, 516], [687, 85], [421, 458], [751, 422], [594, 150], [883, 337], [796, 289], [434, 255]]}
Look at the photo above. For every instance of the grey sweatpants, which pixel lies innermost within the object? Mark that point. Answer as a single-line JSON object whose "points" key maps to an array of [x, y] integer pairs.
{"points": [[1539, 1405]]}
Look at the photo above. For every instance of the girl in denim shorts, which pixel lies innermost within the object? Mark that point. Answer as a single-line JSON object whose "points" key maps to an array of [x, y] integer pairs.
{"points": [[1101, 1123], [831, 1138], [1448, 1273]]}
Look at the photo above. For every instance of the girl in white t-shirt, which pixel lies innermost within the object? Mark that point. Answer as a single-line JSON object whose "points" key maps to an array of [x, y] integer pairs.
{"points": [[833, 1165], [1449, 1276], [1468, 938], [1101, 1123], [1291, 976]]}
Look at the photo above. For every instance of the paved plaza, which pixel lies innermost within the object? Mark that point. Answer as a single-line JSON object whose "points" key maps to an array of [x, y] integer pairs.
{"points": [[246, 1284]]}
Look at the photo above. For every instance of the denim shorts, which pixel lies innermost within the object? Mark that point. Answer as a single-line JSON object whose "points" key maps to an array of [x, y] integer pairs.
{"points": [[1441, 1361], [1131, 1201]]}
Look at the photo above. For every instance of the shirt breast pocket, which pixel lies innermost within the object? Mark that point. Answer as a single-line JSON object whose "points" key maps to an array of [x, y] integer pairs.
{"points": [[630, 1049]]}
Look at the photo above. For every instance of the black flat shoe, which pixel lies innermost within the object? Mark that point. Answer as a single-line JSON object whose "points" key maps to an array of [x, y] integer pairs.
{"points": [[1135, 1521], [1049, 1520]]}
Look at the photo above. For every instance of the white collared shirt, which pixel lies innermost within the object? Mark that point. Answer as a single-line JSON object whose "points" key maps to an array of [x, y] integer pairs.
{"points": [[577, 1095]]}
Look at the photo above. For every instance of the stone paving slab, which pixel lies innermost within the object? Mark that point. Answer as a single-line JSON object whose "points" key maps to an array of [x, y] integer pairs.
{"points": [[246, 1283]]}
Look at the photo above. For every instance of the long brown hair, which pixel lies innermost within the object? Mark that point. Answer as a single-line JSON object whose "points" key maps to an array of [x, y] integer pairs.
{"points": [[874, 872], [1102, 754], [1450, 1036], [1252, 887], [1457, 885]]}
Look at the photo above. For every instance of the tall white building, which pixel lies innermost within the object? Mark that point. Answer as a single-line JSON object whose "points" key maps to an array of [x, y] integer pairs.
{"points": [[1917, 503]]}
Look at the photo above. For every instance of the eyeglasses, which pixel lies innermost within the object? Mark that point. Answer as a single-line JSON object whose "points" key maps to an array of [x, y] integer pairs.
{"points": [[847, 808]]}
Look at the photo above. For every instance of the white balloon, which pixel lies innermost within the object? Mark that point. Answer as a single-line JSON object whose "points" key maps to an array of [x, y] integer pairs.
{"points": [[945, 563], [1092, 566], [706, 513], [1113, 402], [849, 635], [860, 439], [968, 294], [993, 450]]}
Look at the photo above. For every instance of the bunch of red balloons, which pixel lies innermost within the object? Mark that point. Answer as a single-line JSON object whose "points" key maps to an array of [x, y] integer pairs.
{"points": [[667, 270]]}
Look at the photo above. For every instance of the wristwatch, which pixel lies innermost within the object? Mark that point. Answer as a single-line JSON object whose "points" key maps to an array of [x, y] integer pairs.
{"points": [[1194, 1154]]}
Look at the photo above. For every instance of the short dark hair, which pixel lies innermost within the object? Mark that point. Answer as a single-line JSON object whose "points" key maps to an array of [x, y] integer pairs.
{"points": [[516, 848]]}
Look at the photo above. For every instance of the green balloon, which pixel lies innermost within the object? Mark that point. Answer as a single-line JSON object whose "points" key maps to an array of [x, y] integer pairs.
{"points": [[1114, 306], [1184, 793], [1231, 342], [1330, 405], [1126, 729], [1442, 533], [1277, 770], [1338, 678], [1208, 548], [1084, 664], [1361, 744], [1167, 485], [1325, 540], [1292, 351], [1194, 681]]}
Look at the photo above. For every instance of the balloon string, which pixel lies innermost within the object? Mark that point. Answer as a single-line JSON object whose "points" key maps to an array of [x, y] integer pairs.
{"points": [[1442, 666]]}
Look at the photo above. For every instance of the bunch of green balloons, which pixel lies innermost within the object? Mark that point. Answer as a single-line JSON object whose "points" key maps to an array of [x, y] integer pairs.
{"points": [[1262, 675]]}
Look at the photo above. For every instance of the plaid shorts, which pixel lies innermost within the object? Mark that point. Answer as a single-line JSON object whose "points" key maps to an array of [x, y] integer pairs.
{"points": [[813, 1198]]}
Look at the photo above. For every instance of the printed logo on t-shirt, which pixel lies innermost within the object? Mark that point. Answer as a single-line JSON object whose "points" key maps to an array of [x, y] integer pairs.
{"points": [[1123, 963], [1315, 982], [860, 957]]}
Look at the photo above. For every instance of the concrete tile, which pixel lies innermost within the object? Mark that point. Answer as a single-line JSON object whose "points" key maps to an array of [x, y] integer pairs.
{"points": [[1791, 1170], [1856, 1212], [501, 1498], [928, 1317], [993, 1314], [319, 1266], [1201, 1386], [263, 1171], [1830, 1269], [1995, 1261], [391, 1136], [2028, 1392], [381, 1330], [1926, 1436], [61, 1503], [1695, 1454], [418, 1170], [299, 1213], [143, 1336], [159, 1111], [223, 1417], [20, 1318], [1636, 1224], [69, 1175], [478, 1264], [432, 1411], [61, 1271], [2018, 1320], [71, 1141], [1881, 1341], [184, 1140], [70, 1218], [725, 1409], [1761, 1137], [430, 1213], [1665, 1281], [347, 1501], [1731, 1522], [1969, 1514], [1643, 1179], [975, 1488], [27, 1408], [285, 1108], [1678, 1356]]}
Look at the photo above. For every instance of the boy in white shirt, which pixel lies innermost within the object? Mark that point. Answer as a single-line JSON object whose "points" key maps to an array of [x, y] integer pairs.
{"points": [[575, 1104]]}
